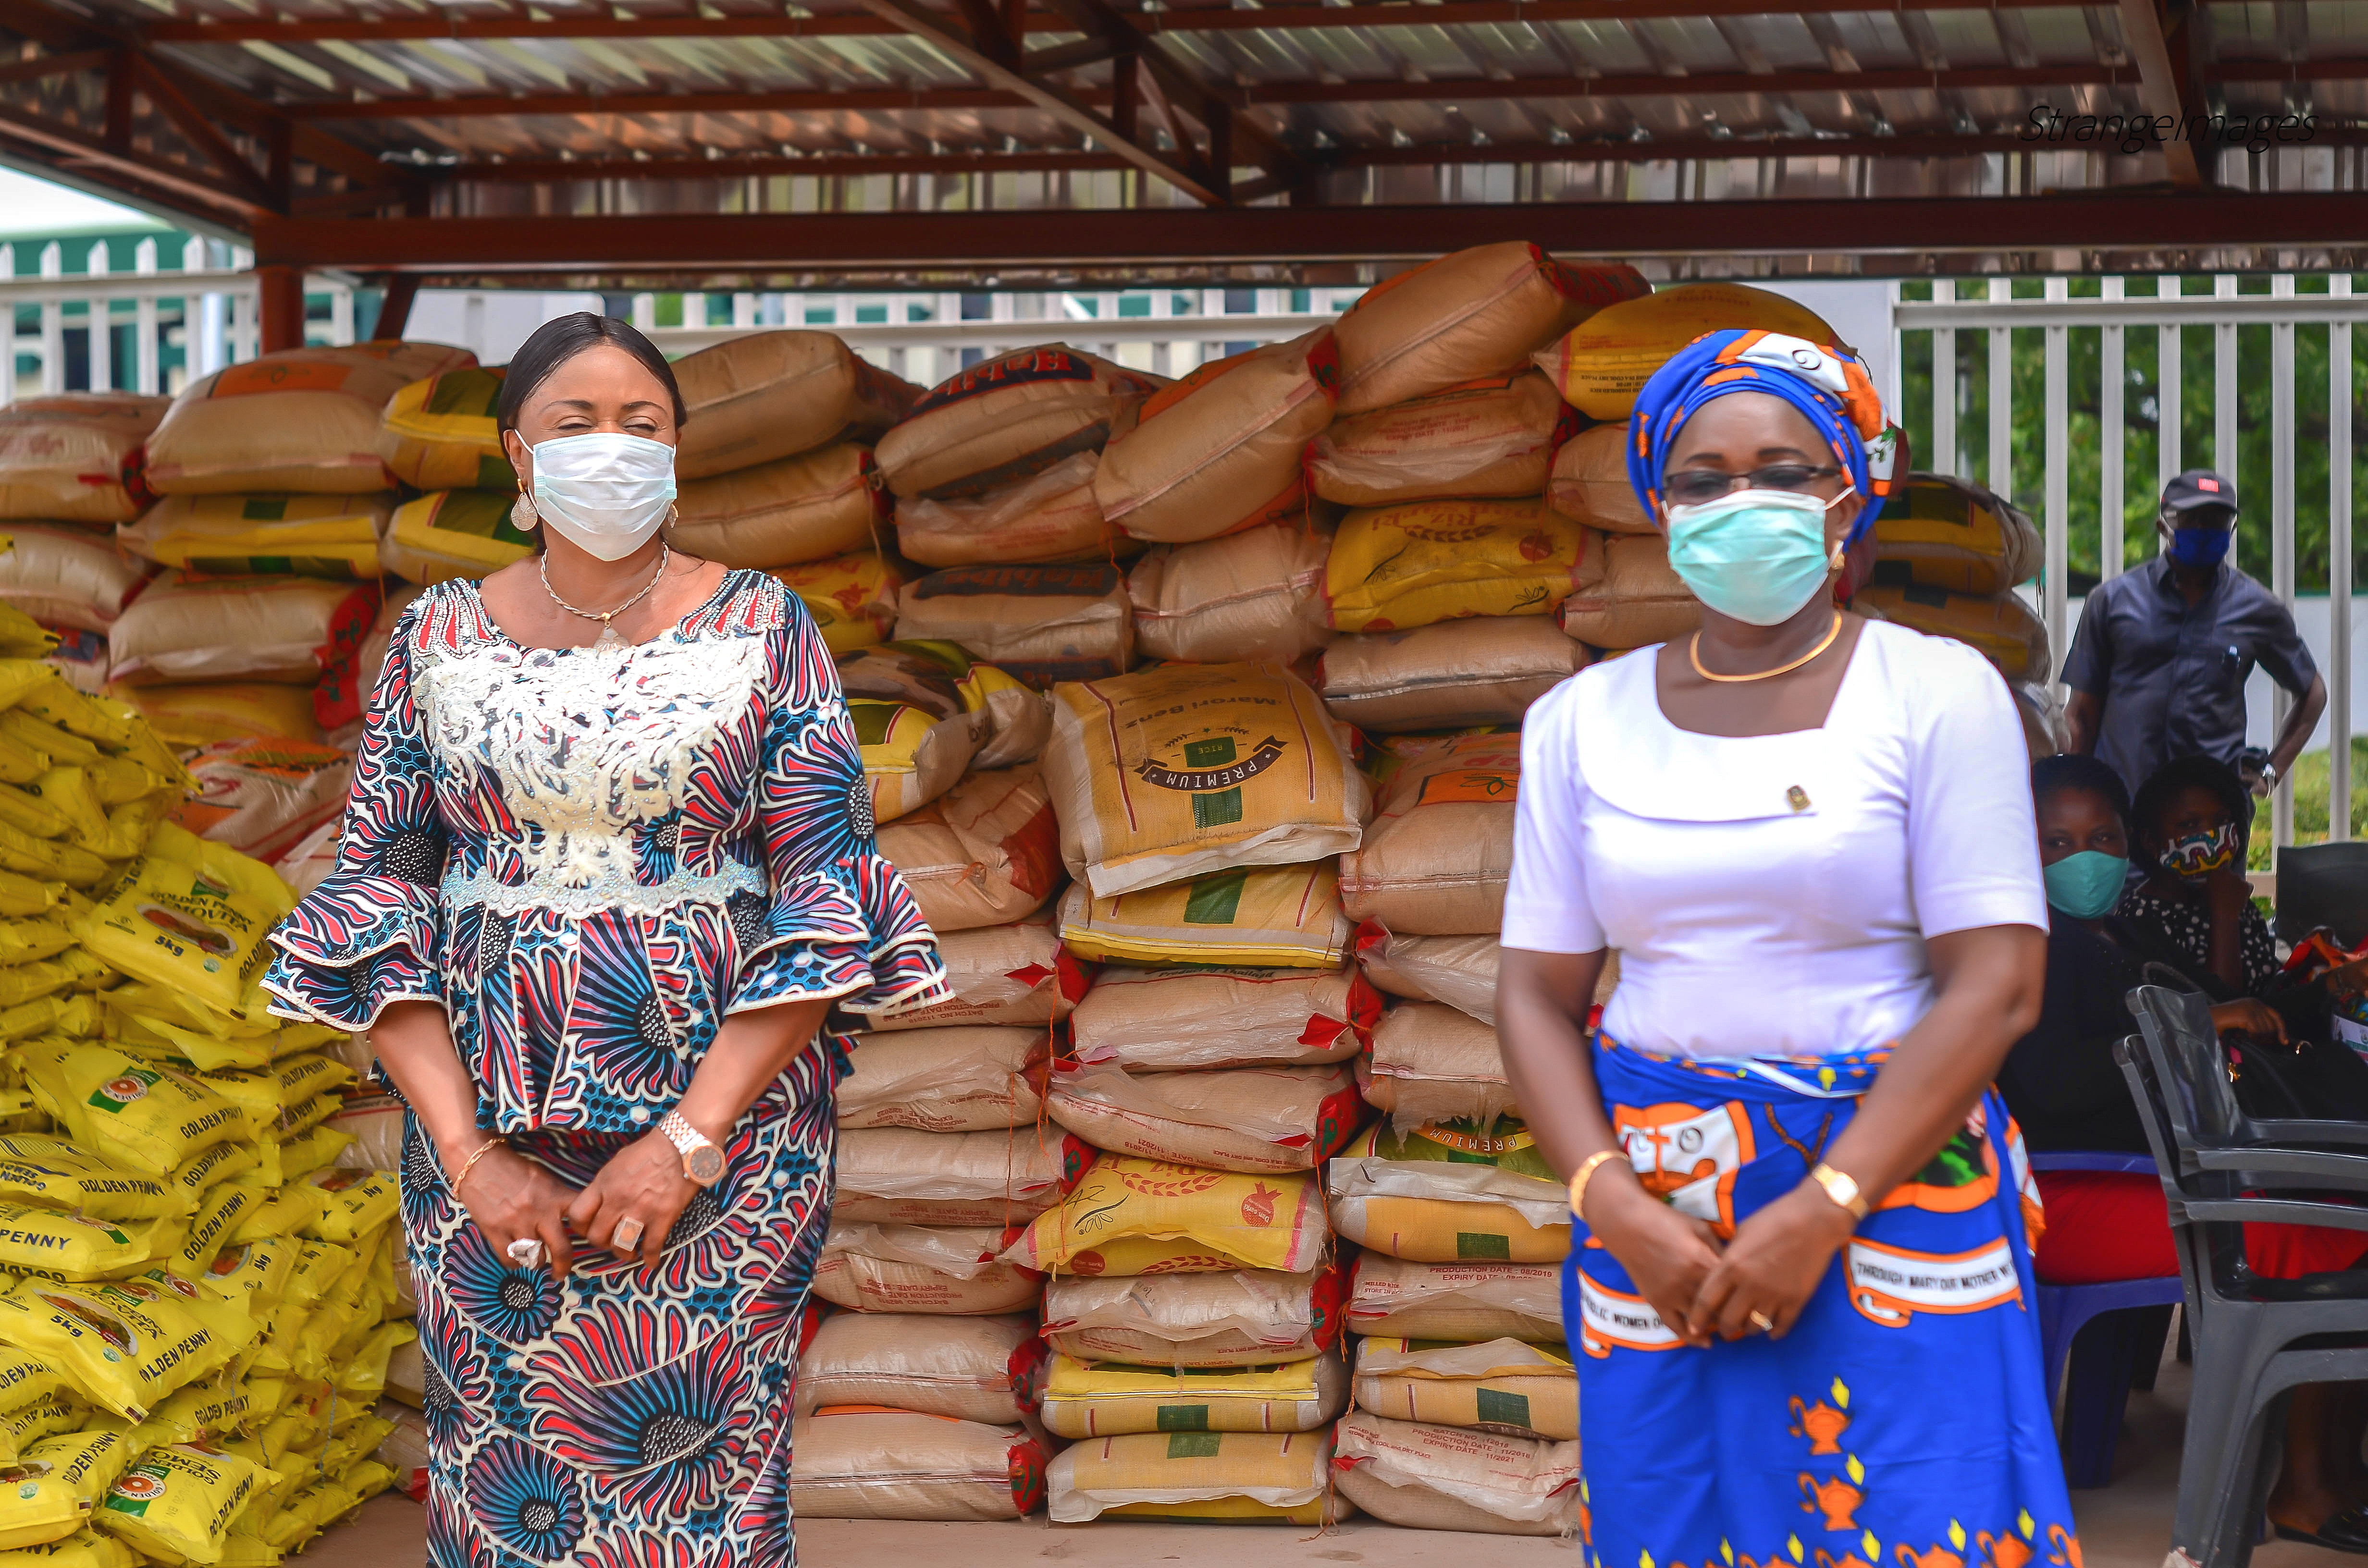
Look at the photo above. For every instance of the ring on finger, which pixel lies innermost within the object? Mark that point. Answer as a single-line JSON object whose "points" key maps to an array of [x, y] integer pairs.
{"points": [[627, 1237], [525, 1252], [1763, 1322]]}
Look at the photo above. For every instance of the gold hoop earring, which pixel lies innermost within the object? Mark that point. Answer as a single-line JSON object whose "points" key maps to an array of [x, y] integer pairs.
{"points": [[523, 517], [1834, 561]]}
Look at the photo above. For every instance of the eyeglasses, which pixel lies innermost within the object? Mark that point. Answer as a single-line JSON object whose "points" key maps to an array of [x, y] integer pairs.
{"points": [[1699, 486]]}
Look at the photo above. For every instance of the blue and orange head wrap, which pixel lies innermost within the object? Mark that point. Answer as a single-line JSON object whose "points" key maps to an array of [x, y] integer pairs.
{"points": [[1829, 385]]}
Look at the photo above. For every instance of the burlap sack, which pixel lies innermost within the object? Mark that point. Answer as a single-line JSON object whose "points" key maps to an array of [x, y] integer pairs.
{"points": [[1018, 973], [1476, 313], [1446, 1478], [1129, 1217], [1273, 916], [1256, 595], [852, 598], [1492, 436], [310, 536], [1108, 1399], [444, 433], [897, 1176], [754, 399], [1433, 1062], [1485, 670], [75, 457], [1217, 1477], [1999, 627], [1604, 362], [1006, 418], [946, 1270], [1499, 1385], [792, 510], [68, 576], [1047, 516], [1245, 1318], [1950, 533], [239, 629], [865, 1463], [1043, 624], [302, 419], [1590, 482], [1189, 769], [1395, 567], [962, 1078], [985, 853], [1451, 1192], [1405, 1299], [1435, 861], [1239, 1119], [970, 1368], [1162, 1021], [1625, 596], [1219, 449]]}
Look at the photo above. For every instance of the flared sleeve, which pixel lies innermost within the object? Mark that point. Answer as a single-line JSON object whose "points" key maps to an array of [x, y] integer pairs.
{"points": [[841, 924], [372, 932]]}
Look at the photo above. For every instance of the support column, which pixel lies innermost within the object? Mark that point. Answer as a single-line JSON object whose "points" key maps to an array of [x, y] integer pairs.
{"points": [[281, 312]]}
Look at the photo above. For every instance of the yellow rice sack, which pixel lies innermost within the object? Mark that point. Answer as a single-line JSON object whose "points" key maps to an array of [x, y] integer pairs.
{"points": [[311, 536], [1047, 516], [1176, 772], [945, 1271], [913, 752], [1999, 627], [27, 896], [37, 1508], [176, 925], [1950, 533], [346, 1205], [1602, 363], [67, 576], [852, 597], [443, 433], [179, 1501], [301, 419], [25, 1378], [1268, 916], [202, 715], [1450, 1193], [76, 456], [971, 1368], [1420, 1476], [1626, 595], [145, 1119], [764, 395], [1269, 1222], [58, 1410], [1394, 567], [87, 1462], [50, 1172], [1084, 1400], [22, 637], [1215, 1477], [123, 1344], [1496, 436], [453, 533], [1006, 418], [794, 510], [60, 1246], [81, 1550], [1196, 1318], [1590, 482], [1499, 1385]]}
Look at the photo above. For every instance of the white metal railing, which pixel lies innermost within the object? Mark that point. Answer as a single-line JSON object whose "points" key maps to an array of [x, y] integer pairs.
{"points": [[2115, 313]]}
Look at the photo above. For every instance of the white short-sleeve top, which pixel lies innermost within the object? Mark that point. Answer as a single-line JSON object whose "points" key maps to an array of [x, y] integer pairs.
{"points": [[1770, 895]]}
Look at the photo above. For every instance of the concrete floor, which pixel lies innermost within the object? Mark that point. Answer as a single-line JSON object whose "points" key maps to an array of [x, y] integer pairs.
{"points": [[2126, 1525]]}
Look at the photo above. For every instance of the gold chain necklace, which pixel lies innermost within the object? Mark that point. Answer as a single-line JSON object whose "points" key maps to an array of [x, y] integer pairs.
{"points": [[1694, 652], [608, 638]]}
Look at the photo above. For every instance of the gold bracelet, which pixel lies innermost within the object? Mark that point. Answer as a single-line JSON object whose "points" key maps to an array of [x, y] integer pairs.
{"points": [[1841, 1188], [1585, 1173], [482, 1150]]}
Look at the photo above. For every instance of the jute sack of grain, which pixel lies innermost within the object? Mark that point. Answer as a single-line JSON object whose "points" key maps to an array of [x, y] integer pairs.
{"points": [[1395, 567], [894, 1175], [1162, 1021], [1435, 859], [310, 536], [1086, 1400], [453, 533], [1425, 1477], [972, 1368], [966, 1078], [1999, 627], [68, 577], [1047, 516], [1238, 1118], [852, 598], [1590, 481], [1626, 595], [444, 433], [753, 399], [1485, 670], [265, 795], [1043, 624], [1604, 362], [1006, 418], [1234, 1478], [302, 419], [75, 457], [783, 512], [918, 728], [1272, 916], [1219, 449], [1431, 1062], [1018, 973], [861, 1461], [285, 630], [944, 1269], [1499, 1385], [1190, 768], [1405, 1298], [985, 853], [1256, 595], [1476, 313], [1950, 533], [186, 716], [1125, 1216], [1450, 1193], [1496, 436], [1243, 1318]]}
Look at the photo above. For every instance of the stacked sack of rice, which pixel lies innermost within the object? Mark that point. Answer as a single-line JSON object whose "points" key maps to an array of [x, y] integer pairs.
{"points": [[70, 470]]}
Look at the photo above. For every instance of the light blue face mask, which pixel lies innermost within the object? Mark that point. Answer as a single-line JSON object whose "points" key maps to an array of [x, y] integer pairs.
{"points": [[2086, 886], [1756, 555]]}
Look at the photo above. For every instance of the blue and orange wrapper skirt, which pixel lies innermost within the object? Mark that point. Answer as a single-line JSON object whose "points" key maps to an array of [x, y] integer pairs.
{"points": [[1902, 1422]]}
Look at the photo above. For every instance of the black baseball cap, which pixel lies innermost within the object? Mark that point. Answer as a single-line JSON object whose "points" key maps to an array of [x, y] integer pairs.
{"points": [[2197, 490]]}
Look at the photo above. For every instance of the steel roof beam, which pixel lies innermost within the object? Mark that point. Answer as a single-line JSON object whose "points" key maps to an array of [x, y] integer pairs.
{"points": [[2158, 88]]}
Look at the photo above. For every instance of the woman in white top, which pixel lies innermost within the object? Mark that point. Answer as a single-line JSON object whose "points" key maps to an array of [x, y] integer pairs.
{"points": [[1802, 1270]]}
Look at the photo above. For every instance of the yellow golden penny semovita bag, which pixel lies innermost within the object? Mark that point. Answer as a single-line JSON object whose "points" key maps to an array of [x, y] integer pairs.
{"points": [[178, 1501], [143, 1117]]}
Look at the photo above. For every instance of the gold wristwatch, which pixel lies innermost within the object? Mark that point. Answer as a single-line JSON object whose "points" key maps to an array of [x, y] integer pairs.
{"points": [[1840, 1186], [703, 1161]]}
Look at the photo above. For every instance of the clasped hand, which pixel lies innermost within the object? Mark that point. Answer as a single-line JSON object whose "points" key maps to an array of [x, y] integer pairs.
{"points": [[510, 1197], [1701, 1289]]}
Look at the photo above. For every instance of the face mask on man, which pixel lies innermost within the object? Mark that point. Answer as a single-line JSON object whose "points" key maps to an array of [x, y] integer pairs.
{"points": [[1756, 555], [2086, 885], [2195, 856], [2201, 543], [606, 493]]}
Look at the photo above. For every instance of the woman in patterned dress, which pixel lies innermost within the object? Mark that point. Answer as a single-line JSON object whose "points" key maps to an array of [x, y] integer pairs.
{"points": [[608, 864]]}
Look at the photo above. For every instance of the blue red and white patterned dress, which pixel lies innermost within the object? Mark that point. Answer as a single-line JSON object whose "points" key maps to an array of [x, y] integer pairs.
{"points": [[589, 858]]}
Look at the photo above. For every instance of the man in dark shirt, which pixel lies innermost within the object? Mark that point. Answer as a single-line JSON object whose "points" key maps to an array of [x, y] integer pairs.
{"points": [[2158, 667]]}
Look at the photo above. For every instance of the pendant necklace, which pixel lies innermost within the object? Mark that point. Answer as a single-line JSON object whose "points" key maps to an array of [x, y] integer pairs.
{"points": [[608, 638]]}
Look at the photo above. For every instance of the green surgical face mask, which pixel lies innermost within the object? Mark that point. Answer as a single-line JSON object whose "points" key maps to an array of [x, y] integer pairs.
{"points": [[2086, 886]]}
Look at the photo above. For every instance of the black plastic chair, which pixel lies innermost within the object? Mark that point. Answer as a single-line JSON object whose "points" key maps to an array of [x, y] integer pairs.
{"points": [[2323, 884], [2255, 1339]]}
